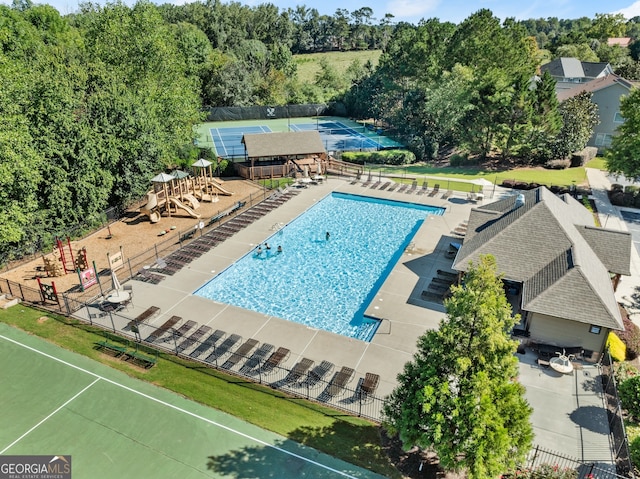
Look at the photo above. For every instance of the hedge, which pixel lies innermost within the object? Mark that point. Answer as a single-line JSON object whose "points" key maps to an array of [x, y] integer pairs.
{"points": [[616, 347]]}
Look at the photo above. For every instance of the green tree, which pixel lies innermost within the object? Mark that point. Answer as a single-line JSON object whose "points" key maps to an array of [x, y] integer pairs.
{"points": [[623, 157], [579, 117], [581, 51], [608, 25], [459, 395]]}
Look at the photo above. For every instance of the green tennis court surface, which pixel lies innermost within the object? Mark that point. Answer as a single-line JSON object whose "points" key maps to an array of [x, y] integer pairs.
{"points": [[57, 402]]}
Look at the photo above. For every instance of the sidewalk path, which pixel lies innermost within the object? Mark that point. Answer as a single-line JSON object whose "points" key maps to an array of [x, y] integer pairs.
{"points": [[611, 218]]}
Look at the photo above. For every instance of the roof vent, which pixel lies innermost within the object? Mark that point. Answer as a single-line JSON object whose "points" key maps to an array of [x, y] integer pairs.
{"points": [[519, 201]]}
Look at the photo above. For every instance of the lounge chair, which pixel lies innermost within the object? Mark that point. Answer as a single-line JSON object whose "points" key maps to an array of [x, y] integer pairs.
{"points": [[414, 185], [224, 348], [424, 188], [241, 353], [447, 194], [369, 385], [356, 179], [385, 185], [299, 370], [368, 182], [435, 190], [392, 186], [208, 343], [316, 374], [276, 358], [403, 187], [168, 324], [256, 358], [195, 337], [339, 381]]}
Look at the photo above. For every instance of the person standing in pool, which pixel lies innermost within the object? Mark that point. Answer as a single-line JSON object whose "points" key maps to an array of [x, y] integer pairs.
{"points": [[327, 236], [279, 249]]}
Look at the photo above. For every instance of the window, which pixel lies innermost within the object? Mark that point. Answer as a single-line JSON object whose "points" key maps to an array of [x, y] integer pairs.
{"points": [[602, 139], [595, 329], [618, 118]]}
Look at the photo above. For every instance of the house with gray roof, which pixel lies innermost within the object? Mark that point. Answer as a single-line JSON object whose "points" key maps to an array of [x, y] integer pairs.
{"points": [[567, 71], [559, 268], [606, 93]]}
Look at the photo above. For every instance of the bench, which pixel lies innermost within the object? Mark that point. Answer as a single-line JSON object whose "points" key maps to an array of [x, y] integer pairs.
{"points": [[111, 349], [140, 359]]}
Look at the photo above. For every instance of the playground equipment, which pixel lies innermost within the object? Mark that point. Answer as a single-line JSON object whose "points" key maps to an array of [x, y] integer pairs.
{"points": [[61, 263], [81, 262], [163, 198], [206, 182]]}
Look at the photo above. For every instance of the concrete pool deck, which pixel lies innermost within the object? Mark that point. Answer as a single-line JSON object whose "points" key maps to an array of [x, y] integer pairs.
{"points": [[405, 316]]}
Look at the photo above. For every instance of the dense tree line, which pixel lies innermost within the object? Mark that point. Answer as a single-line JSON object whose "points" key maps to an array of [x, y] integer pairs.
{"points": [[473, 86], [96, 102]]}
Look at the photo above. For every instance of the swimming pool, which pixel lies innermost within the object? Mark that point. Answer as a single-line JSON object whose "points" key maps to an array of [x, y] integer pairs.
{"points": [[319, 282]]}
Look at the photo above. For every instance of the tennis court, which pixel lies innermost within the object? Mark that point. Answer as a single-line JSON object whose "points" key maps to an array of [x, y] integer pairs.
{"points": [[58, 402], [336, 135]]}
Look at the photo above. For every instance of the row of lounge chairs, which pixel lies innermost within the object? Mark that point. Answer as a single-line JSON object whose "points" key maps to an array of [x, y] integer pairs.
{"points": [[440, 286], [259, 359], [404, 187], [175, 261]]}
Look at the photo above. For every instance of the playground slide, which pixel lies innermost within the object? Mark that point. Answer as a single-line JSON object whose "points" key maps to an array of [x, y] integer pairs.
{"points": [[191, 201], [219, 187], [179, 204], [151, 208]]}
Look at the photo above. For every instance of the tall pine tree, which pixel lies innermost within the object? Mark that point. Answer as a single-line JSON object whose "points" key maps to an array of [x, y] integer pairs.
{"points": [[460, 394]]}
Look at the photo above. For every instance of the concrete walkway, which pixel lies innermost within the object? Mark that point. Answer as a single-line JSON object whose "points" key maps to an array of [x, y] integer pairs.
{"points": [[610, 217]]}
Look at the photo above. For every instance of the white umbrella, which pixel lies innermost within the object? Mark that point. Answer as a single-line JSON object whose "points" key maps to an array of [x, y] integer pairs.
{"points": [[114, 279]]}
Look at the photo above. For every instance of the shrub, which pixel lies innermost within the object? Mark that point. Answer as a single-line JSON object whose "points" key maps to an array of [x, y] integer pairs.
{"points": [[521, 185], [508, 183], [385, 157], [616, 187], [627, 199], [629, 392], [624, 371], [616, 347], [458, 160], [634, 450], [544, 471], [631, 189], [582, 157], [617, 198], [631, 338], [557, 164]]}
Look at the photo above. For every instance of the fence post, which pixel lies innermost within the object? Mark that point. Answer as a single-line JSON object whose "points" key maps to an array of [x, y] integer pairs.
{"points": [[113, 325]]}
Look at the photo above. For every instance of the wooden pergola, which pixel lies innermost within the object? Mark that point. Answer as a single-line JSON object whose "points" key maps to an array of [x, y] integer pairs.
{"points": [[274, 154]]}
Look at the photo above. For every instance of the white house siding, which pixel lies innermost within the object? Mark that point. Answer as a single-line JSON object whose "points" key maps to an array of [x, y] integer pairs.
{"points": [[562, 332]]}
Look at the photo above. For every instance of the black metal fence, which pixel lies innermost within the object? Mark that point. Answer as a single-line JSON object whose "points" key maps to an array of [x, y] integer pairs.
{"points": [[540, 457], [619, 437], [329, 384], [349, 394]]}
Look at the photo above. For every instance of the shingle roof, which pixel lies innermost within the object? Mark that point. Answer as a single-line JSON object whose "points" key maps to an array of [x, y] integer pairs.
{"points": [[612, 247], [569, 67], [546, 245], [262, 145], [594, 85]]}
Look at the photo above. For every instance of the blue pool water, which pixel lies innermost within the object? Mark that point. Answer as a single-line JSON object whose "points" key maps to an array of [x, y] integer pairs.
{"points": [[325, 284]]}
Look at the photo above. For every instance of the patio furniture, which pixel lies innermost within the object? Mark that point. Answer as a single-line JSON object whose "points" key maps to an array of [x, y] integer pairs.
{"points": [[240, 353], [424, 188], [224, 348], [208, 343], [299, 370], [414, 185], [339, 381], [276, 358], [256, 358], [316, 374], [169, 323], [562, 363], [435, 190], [369, 385], [191, 340]]}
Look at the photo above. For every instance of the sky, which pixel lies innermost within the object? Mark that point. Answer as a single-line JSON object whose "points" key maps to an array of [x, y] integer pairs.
{"points": [[413, 11]]}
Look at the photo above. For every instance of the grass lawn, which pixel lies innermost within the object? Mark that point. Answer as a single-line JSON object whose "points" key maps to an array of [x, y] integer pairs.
{"points": [[351, 439], [542, 176], [309, 63]]}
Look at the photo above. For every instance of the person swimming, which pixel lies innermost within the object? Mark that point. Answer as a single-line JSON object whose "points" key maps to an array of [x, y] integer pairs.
{"points": [[279, 249], [327, 236], [259, 251], [266, 245]]}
